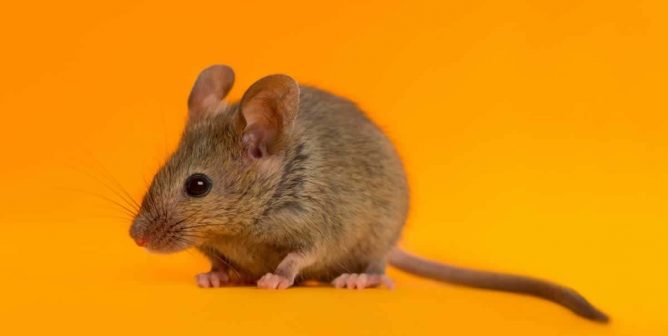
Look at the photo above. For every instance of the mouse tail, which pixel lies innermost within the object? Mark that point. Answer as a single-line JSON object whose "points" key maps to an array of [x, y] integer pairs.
{"points": [[564, 296]]}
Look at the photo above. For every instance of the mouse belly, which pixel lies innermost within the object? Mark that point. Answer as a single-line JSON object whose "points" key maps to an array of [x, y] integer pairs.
{"points": [[252, 261]]}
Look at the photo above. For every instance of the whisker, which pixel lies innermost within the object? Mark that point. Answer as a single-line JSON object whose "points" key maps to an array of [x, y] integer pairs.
{"points": [[182, 238], [105, 178], [124, 218], [130, 203], [205, 225], [228, 264], [183, 220], [190, 235], [116, 182], [121, 206]]}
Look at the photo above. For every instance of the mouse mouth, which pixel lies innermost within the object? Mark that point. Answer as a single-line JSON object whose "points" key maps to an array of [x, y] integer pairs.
{"points": [[161, 237], [166, 243], [167, 248]]}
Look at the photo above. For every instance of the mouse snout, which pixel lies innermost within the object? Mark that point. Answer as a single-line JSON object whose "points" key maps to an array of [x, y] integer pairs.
{"points": [[158, 236], [140, 238], [138, 233], [141, 242]]}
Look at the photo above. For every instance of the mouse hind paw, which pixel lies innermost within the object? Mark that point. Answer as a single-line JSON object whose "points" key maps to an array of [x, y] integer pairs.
{"points": [[362, 280], [212, 279]]}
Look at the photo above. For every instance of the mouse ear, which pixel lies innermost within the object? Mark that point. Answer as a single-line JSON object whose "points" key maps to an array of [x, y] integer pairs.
{"points": [[268, 107], [211, 86]]}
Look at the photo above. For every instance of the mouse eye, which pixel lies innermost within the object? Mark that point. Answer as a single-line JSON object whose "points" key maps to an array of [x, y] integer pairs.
{"points": [[198, 185]]}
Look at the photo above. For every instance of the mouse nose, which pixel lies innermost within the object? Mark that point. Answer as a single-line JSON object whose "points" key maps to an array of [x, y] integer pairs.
{"points": [[141, 242]]}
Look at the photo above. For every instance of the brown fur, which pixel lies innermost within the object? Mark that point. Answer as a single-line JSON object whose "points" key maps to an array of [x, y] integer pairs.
{"points": [[337, 192], [304, 186]]}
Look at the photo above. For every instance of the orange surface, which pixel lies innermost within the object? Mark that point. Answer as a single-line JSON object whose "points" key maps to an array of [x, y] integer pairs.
{"points": [[534, 134]]}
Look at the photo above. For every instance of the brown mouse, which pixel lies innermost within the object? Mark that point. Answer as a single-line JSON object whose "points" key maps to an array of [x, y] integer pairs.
{"points": [[290, 184]]}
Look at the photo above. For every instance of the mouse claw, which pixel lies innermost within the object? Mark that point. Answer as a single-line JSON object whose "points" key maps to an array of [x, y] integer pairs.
{"points": [[274, 281]]}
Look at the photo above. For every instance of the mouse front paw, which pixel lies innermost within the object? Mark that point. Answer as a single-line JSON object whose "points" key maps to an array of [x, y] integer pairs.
{"points": [[212, 279], [274, 281]]}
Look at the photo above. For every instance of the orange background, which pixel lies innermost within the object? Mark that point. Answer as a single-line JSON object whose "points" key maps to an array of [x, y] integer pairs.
{"points": [[534, 134]]}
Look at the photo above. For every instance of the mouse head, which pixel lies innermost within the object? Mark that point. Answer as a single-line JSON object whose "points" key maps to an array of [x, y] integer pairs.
{"points": [[219, 179]]}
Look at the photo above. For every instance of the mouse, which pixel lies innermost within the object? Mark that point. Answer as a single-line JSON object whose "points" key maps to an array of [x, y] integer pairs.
{"points": [[293, 184]]}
